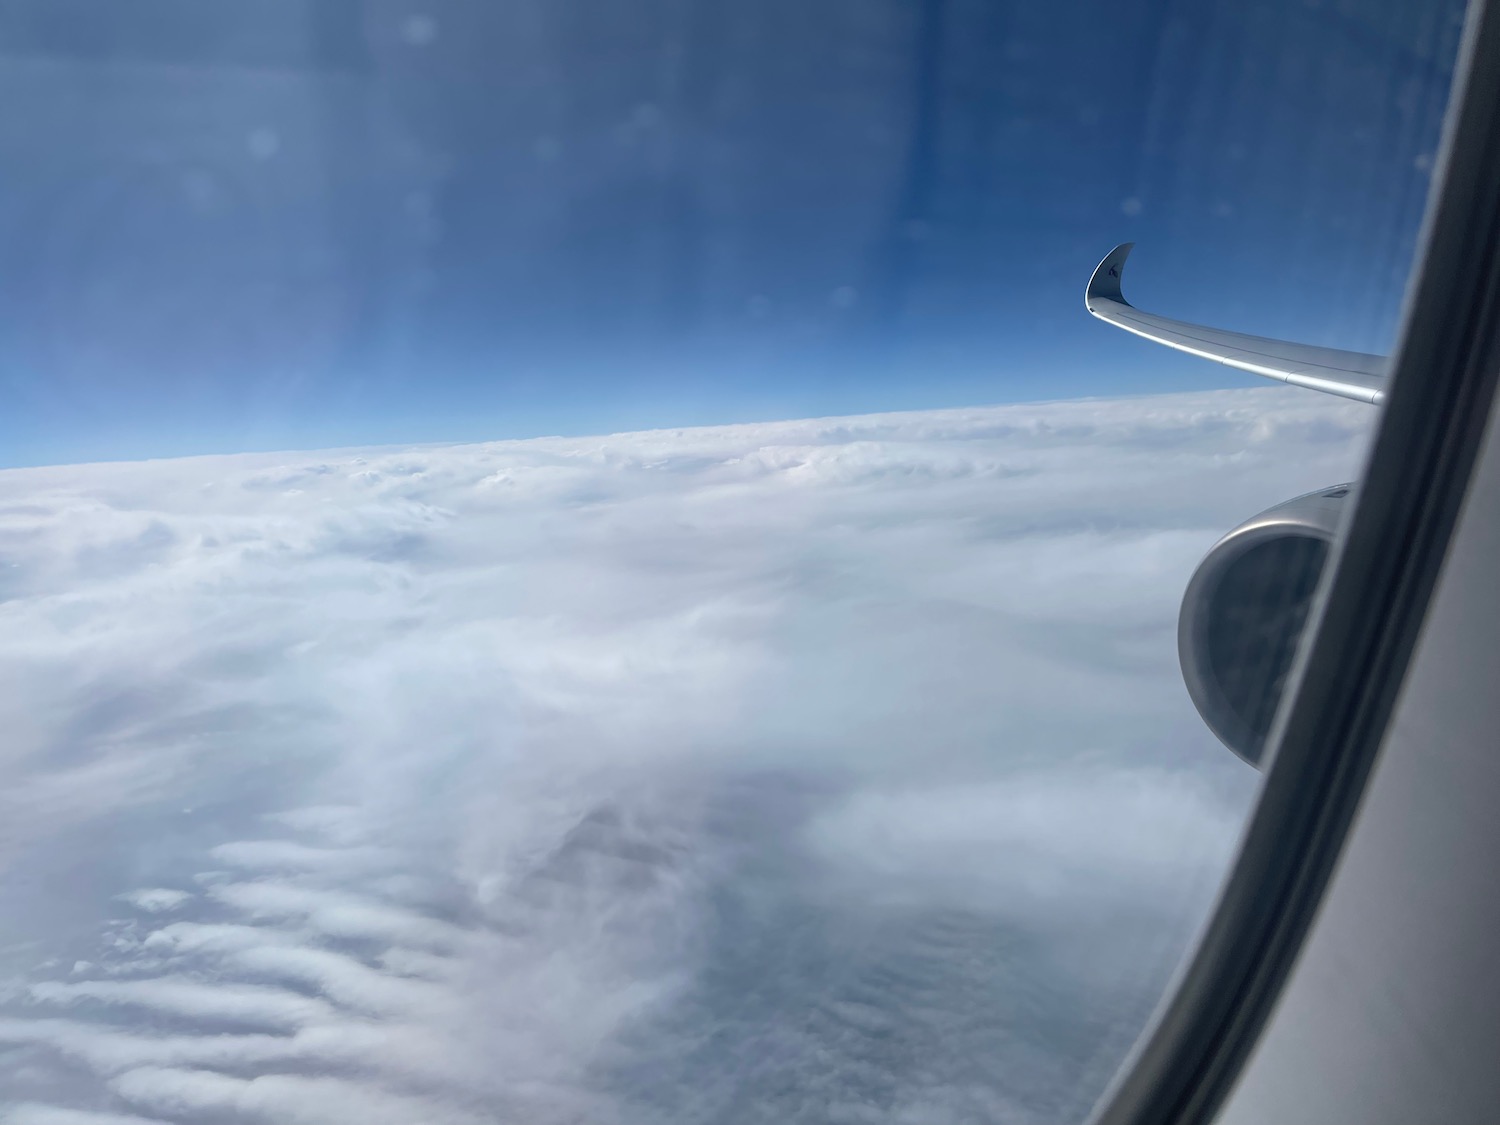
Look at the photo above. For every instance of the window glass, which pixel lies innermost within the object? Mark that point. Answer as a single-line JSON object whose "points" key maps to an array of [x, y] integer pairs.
{"points": [[573, 561]]}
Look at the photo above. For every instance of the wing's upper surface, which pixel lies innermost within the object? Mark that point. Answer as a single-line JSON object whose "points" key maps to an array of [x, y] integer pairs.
{"points": [[1353, 375]]}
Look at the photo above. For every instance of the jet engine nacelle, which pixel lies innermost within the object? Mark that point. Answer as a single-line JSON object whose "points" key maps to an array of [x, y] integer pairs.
{"points": [[1244, 611]]}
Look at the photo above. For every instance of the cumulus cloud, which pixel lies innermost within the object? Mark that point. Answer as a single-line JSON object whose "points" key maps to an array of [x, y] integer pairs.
{"points": [[819, 771]]}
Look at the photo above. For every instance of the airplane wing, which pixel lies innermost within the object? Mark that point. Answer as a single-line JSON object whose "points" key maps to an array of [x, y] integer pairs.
{"points": [[1353, 375]]}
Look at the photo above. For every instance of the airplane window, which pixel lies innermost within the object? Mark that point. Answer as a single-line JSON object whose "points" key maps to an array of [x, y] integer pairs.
{"points": [[585, 562]]}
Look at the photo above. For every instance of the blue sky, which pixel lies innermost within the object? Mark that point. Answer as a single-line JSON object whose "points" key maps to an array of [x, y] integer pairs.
{"points": [[304, 225]]}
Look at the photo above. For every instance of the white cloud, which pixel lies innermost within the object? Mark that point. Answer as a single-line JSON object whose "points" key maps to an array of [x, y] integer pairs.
{"points": [[286, 855], [198, 937], [287, 1099], [193, 1000], [1040, 842], [32, 1113], [823, 770], [337, 915], [339, 977], [156, 900]]}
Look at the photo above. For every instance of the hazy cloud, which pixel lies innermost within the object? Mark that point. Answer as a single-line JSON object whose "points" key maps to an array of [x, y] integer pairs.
{"points": [[155, 900]]}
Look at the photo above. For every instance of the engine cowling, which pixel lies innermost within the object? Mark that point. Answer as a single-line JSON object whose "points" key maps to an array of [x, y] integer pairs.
{"points": [[1244, 611]]}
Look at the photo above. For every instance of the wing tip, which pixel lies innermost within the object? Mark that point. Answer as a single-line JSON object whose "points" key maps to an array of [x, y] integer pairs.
{"points": [[1105, 282]]}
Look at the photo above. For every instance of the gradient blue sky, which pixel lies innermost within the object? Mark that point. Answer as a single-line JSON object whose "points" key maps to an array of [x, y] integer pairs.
{"points": [[309, 223]]}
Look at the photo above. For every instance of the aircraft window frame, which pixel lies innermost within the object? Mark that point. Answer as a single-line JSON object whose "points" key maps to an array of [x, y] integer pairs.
{"points": [[1369, 608], [1365, 622]]}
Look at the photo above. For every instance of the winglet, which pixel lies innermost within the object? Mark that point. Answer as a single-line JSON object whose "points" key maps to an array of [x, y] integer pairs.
{"points": [[1105, 284], [1353, 375]]}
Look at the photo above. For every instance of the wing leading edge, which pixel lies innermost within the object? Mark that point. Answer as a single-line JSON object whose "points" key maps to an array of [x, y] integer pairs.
{"points": [[1353, 375]]}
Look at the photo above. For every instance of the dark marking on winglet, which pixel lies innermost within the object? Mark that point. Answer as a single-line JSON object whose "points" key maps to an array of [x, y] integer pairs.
{"points": [[1105, 284]]}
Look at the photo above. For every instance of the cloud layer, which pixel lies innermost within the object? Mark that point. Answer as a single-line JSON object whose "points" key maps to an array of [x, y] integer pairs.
{"points": [[825, 771]]}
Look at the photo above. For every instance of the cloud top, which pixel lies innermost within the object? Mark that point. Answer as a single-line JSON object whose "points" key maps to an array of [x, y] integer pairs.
{"points": [[822, 771]]}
